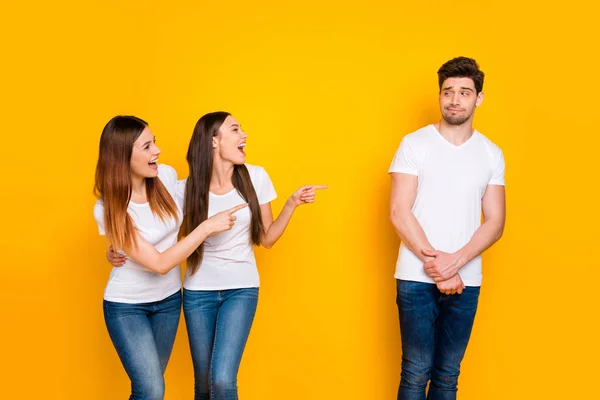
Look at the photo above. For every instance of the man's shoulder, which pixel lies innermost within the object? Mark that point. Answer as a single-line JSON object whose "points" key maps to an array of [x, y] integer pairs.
{"points": [[419, 137], [490, 146]]}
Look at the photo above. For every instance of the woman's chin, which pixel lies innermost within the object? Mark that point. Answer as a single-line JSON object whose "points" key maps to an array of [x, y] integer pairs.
{"points": [[237, 159], [240, 160]]}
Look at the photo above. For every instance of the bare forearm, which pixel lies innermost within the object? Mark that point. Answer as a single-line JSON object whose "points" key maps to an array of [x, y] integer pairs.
{"points": [[275, 231], [167, 260], [176, 254], [411, 233], [483, 238]]}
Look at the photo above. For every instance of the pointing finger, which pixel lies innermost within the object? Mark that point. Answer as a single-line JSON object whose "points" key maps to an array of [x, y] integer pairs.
{"points": [[236, 208]]}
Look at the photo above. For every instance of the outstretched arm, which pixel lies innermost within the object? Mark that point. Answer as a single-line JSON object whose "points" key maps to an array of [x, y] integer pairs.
{"points": [[274, 229]]}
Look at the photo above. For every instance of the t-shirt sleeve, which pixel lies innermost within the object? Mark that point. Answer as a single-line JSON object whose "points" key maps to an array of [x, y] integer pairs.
{"points": [[498, 170], [180, 192], [265, 191], [405, 159], [168, 176], [99, 216]]}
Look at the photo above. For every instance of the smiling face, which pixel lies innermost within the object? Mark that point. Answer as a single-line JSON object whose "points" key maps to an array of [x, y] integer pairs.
{"points": [[458, 100], [144, 156], [230, 141]]}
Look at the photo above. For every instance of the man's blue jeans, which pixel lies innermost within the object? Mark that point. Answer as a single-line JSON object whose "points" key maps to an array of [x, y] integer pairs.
{"points": [[435, 331]]}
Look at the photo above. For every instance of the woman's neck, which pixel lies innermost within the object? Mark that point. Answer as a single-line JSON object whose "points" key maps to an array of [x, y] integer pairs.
{"points": [[138, 190], [222, 174]]}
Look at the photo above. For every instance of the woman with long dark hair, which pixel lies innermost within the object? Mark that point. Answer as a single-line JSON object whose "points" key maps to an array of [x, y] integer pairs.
{"points": [[137, 213], [221, 284]]}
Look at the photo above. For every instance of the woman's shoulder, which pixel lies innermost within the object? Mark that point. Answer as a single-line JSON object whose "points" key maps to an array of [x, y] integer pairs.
{"points": [[99, 206], [99, 215], [255, 171], [167, 174]]}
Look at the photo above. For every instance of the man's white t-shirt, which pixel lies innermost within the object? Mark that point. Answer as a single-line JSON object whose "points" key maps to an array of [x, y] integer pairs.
{"points": [[228, 261], [451, 183], [132, 282]]}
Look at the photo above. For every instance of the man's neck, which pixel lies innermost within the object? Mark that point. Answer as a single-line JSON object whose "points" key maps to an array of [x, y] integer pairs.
{"points": [[455, 134]]}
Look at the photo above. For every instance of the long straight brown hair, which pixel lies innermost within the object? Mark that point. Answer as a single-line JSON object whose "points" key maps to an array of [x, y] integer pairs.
{"points": [[113, 182], [200, 160]]}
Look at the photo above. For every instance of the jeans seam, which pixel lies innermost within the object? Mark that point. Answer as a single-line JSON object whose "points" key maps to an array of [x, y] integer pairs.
{"points": [[212, 353]]}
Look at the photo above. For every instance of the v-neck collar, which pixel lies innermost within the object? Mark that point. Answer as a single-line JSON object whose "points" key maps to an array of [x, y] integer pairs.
{"points": [[460, 146]]}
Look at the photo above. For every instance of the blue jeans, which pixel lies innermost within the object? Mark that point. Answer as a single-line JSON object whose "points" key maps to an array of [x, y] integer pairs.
{"points": [[435, 330], [143, 335], [218, 324]]}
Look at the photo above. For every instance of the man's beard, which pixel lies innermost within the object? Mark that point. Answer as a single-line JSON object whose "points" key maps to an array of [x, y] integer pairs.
{"points": [[455, 119]]}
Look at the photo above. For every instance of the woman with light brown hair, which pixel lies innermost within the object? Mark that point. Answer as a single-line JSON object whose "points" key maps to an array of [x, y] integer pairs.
{"points": [[137, 213]]}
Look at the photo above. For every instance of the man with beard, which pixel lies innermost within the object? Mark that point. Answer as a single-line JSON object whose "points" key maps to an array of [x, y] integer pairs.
{"points": [[444, 176]]}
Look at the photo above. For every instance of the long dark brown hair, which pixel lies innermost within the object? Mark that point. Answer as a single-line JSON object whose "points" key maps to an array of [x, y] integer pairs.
{"points": [[200, 160], [113, 182]]}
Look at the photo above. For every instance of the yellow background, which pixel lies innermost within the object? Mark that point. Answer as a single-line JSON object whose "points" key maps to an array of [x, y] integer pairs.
{"points": [[326, 90]]}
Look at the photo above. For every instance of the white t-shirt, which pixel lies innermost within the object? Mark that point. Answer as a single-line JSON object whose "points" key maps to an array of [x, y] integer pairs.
{"points": [[132, 282], [451, 183], [228, 261]]}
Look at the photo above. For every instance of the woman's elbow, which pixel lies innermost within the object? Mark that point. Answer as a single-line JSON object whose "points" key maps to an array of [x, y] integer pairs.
{"points": [[500, 232], [161, 269], [267, 244]]}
